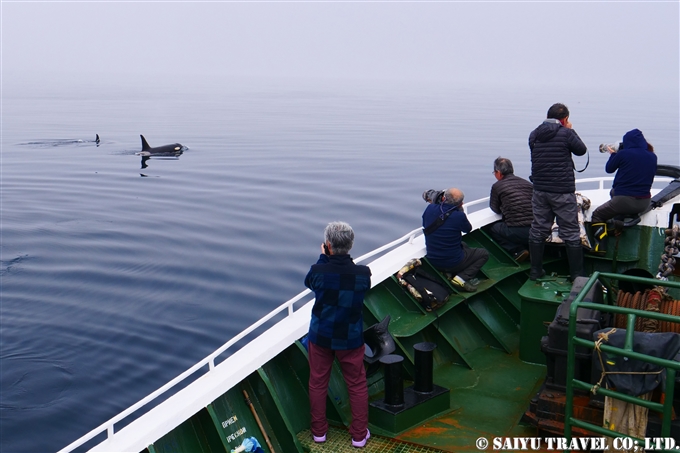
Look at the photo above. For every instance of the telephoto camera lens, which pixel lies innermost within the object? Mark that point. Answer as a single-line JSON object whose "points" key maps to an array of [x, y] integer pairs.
{"points": [[607, 148]]}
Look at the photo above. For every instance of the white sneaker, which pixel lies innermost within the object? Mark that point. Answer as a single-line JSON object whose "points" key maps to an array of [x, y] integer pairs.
{"points": [[361, 443]]}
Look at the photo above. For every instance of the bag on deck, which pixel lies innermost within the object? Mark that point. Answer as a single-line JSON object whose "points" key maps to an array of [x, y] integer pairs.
{"points": [[425, 288]]}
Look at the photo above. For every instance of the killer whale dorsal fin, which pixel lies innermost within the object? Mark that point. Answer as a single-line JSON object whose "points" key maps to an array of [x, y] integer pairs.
{"points": [[96, 140], [145, 145]]}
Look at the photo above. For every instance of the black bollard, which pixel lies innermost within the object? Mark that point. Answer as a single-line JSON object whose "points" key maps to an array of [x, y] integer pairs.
{"points": [[394, 382], [424, 367]]}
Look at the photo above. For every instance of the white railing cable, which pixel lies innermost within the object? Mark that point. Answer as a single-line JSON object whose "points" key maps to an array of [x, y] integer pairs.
{"points": [[407, 238], [466, 206]]}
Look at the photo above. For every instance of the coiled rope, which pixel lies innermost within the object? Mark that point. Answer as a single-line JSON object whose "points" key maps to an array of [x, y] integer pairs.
{"points": [[671, 248]]}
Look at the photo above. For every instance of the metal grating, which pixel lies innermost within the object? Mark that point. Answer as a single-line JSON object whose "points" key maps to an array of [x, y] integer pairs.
{"points": [[339, 441]]}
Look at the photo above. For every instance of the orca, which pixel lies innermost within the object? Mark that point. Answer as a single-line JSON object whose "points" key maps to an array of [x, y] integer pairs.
{"points": [[64, 142], [175, 149]]}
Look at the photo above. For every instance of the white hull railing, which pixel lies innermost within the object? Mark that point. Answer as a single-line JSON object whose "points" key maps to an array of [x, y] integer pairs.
{"points": [[602, 179]]}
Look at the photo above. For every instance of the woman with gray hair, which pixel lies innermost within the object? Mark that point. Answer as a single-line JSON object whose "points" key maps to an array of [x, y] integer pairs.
{"points": [[336, 330], [340, 236]]}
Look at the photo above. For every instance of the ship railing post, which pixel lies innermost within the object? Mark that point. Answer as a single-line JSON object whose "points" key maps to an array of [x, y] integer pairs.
{"points": [[668, 403], [571, 356], [630, 330]]}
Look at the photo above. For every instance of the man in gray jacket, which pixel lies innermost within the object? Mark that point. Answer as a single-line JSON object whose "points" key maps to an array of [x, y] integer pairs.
{"points": [[511, 197], [552, 171]]}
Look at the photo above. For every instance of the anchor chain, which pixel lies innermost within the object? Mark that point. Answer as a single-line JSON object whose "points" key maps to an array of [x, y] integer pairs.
{"points": [[671, 248]]}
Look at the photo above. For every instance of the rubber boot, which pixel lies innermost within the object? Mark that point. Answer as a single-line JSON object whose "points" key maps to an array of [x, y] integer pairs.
{"points": [[599, 232], [575, 258], [615, 225], [536, 258]]}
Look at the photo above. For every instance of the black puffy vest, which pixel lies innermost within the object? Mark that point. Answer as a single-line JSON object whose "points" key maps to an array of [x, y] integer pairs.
{"points": [[552, 145]]}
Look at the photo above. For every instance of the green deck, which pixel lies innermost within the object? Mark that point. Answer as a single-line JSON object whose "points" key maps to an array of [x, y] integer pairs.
{"points": [[481, 357], [487, 401]]}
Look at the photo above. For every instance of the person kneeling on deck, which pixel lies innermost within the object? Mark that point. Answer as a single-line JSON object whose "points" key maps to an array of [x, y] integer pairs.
{"points": [[511, 197], [336, 330], [634, 162], [444, 224]]}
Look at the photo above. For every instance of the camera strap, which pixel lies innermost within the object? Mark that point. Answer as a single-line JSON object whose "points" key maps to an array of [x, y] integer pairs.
{"points": [[587, 162], [439, 221]]}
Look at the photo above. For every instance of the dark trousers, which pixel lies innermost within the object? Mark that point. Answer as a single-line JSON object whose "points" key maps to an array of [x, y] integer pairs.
{"points": [[546, 207], [620, 205], [512, 239], [471, 263]]}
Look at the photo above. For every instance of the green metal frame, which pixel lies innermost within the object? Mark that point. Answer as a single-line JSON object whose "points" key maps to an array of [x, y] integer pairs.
{"points": [[670, 365]]}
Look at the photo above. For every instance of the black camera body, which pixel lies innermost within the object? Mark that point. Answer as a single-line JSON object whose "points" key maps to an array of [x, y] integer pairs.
{"points": [[434, 196]]}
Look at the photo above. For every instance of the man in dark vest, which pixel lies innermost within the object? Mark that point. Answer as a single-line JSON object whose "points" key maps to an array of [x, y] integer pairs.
{"points": [[552, 171], [511, 197]]}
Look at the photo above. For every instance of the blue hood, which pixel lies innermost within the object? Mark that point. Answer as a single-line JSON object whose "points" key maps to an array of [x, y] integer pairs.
{"points": [[634, 139]]}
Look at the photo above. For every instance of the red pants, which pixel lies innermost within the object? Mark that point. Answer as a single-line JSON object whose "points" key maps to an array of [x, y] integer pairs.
{"points": [[352, 365]]}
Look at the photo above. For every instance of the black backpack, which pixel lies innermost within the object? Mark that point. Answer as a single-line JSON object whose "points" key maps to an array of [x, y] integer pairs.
{"points": [[425, 288]]}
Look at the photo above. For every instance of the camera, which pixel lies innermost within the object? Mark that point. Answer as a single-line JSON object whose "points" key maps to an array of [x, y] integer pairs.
{"points": [[612, 147], [433, 196]]}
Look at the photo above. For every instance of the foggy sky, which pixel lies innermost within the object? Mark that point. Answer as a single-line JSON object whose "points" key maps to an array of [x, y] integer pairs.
{"points": [[631, 44]]}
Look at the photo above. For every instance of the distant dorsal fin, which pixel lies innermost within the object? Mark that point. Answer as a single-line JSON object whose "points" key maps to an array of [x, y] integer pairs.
{"points": [[145, 145], [97, 139]]}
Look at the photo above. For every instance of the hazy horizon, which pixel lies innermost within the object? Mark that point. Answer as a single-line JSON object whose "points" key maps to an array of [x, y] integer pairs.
{"points": [[590, 44]]}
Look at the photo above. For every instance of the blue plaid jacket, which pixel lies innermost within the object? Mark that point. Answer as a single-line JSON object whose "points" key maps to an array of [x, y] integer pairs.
{"points": [[339, 285]]}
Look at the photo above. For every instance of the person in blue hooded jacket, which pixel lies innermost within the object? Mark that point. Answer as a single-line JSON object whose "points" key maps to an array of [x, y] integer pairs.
{"points": [[635, 165]]}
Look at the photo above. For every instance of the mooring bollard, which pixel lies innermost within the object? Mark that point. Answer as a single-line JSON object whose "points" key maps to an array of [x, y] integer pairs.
{"points": [[424, 367], [394, 382]]}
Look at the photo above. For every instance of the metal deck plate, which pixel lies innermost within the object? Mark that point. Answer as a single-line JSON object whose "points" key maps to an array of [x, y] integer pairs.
{"points": [[339, 441]]}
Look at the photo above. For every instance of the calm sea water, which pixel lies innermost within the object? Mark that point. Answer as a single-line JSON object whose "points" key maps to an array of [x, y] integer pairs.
{"points": [[116, 278]]}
